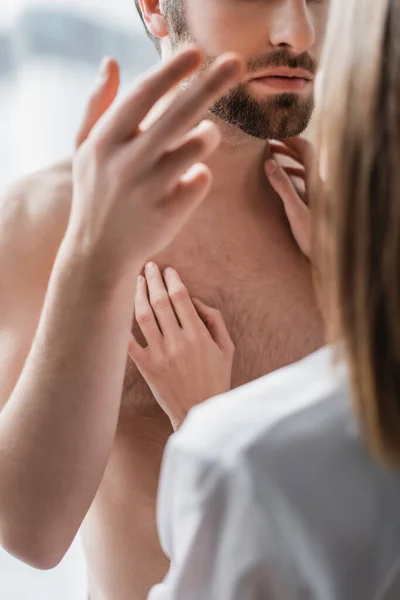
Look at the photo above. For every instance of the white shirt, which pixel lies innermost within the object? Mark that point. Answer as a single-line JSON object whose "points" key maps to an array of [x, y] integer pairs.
{"points": [[268, 493]]}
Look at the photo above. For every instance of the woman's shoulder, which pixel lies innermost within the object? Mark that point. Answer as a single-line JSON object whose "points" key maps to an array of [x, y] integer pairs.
{"points": [[296, 399]]}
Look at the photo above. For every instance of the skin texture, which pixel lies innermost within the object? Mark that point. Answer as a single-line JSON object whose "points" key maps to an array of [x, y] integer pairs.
{"points": [[189, 353], [236, 253], [76, 364], [188, 356]]}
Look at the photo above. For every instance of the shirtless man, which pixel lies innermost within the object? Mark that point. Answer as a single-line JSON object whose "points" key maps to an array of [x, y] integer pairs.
{"points": [[236, 253]]}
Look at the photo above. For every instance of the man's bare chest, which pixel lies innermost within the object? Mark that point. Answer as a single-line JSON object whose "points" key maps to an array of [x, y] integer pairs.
{"points": [[271, 315], [262, 286]]}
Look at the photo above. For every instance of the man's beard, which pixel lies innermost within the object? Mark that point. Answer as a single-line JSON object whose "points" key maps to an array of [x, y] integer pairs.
{"points": [[278, 117]]}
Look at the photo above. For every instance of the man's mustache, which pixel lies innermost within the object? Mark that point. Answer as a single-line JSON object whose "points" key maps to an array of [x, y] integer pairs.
{"points": [[283, 58]]}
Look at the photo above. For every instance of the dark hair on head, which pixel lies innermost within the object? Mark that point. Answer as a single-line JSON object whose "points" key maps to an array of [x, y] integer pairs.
{"points": [[155, 40]]}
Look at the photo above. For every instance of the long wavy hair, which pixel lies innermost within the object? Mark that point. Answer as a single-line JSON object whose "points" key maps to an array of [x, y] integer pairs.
{"points": [[357, 209]]}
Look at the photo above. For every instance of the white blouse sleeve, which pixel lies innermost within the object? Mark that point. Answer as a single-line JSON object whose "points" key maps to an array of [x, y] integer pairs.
{"points": [[211, 528]]}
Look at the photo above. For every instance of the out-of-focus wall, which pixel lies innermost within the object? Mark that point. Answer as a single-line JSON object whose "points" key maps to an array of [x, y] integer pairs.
{"points": [[49, 55]]}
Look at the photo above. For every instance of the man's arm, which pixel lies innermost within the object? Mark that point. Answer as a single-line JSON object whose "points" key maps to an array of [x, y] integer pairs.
{"points": [[53, 429], [34, 214], [58, 427]]}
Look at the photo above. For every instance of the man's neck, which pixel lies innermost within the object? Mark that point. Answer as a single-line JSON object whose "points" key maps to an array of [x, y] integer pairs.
{"points": [[238, 166]]}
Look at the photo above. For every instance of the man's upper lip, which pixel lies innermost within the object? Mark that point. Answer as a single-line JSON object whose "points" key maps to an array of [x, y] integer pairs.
{"points": [[283, 72]]}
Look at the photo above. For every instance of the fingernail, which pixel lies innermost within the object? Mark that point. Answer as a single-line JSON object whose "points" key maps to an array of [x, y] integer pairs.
{"points": [[151, 266], [271, 167], [140, 279]]}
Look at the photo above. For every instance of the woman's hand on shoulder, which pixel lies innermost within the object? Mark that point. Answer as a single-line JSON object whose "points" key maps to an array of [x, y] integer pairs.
{"points": [[283, 178], [189, 353]]}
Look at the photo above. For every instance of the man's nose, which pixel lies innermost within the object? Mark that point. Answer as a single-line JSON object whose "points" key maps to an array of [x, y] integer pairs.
{"points": [[291, 26]]}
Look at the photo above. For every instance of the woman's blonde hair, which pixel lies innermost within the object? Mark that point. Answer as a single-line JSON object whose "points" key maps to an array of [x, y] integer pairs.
{"points": [[358, 215]]}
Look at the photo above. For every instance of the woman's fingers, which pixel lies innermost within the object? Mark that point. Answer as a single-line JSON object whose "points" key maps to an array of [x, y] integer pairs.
{"points": [[160, 301], [136, 352], [215, 324], [296, 210], [181, 301], [297, 148], [102, 97], [295, 171], [291, 163], [281, 148], [145, 317], [282, 184], [303, 148]]}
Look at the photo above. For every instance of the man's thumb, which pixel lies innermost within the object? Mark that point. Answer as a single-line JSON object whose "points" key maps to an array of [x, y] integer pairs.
{"points": [[103, 95]]}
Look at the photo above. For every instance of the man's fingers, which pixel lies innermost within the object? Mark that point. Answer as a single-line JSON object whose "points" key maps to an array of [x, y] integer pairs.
{"points": [[215, 324], [160, 301], [145, 317], [191, 104], [102, 97], [195, 147], [189, 193], [125, 120], [181, 301]]}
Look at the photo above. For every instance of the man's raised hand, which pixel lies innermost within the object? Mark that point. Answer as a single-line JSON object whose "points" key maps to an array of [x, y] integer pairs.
{"points": [[102, 97], [134, 189]]}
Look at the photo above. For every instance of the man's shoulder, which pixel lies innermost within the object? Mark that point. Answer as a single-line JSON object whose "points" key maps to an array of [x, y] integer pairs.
{"points": [[256, 416], [34, 213], [38, 198]]}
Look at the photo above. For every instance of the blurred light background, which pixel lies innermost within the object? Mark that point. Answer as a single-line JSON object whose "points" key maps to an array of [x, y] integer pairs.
{"points": [[50, 51]]}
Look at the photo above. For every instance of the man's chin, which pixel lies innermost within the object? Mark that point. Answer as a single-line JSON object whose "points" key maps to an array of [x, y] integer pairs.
{"points": [[280, 130], [279, 117]]}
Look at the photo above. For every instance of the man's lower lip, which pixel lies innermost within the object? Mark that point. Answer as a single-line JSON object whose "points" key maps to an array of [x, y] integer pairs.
{"points": [[282, 84]]}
